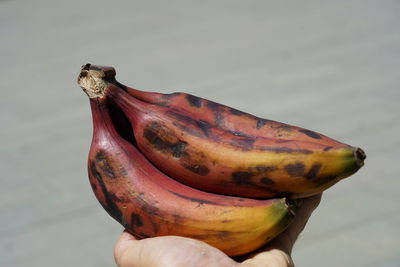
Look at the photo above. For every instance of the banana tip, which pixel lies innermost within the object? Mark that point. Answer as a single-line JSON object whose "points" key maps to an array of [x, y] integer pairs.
{"points": [[360, 156]]}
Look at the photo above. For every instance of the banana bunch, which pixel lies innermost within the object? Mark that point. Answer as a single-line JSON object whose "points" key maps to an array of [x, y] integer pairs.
{"points": [[177, 164]]}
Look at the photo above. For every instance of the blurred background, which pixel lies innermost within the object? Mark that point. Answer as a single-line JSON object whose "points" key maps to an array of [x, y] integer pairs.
{"points": [[329, 66]]}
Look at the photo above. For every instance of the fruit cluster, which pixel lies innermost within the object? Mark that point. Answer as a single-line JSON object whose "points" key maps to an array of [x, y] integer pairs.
{"points": [[177, 164]]}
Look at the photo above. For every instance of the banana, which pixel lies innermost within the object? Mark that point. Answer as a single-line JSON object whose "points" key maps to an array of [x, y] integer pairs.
{"points": [[149, 203], [227, 118], [206, 156]]}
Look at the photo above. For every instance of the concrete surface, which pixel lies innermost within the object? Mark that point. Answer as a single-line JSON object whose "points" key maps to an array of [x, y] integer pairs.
{"points": [[328, 66]]}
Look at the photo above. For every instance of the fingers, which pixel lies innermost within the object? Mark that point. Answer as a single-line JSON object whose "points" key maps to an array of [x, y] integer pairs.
{"points": [[271, 258], [125, 241]]}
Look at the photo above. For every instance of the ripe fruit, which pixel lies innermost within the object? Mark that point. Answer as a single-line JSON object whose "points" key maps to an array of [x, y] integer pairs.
{"points": [[219, 149], [149, 203], [232, 120]]}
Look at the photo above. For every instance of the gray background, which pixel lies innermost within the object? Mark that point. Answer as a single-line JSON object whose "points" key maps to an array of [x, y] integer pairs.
{"points": [[329, 66]]}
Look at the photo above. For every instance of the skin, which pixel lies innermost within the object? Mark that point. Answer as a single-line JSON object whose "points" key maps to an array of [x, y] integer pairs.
{"points": [[177, 251]]}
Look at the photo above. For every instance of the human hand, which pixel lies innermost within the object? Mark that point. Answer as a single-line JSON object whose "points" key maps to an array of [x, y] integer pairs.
{"points": [[178, 251]]}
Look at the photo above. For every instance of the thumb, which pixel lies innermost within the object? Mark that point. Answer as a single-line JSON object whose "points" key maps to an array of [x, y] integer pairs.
{"points": [[286, 240], [302, 216]]}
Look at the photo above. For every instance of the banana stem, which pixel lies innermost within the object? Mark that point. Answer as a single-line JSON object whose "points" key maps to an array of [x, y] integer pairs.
{"points": [[99, 82], [101, 118], [93, 79]]}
